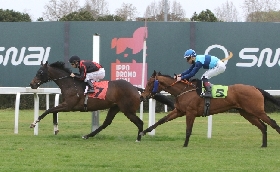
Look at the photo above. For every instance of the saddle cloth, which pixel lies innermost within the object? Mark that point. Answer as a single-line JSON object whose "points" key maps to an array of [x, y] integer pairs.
{"points": [[100, 90]]}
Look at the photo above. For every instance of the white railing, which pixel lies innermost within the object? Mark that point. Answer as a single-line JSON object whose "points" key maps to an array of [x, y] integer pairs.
{"points": [[47, 91], [152, 105], [27, 90]]}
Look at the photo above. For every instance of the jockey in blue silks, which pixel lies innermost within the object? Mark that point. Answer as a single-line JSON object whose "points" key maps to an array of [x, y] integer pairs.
{"points": [[214, 65]]}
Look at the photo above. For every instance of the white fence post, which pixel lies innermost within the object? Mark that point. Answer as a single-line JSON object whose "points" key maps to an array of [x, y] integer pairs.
{"points": [[152, 118], [47, 101], [209, 131], [17, 102], [36, 112], [95, 58]]}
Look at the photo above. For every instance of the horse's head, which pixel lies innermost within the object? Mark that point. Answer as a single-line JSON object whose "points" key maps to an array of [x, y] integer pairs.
{"points": [[41, 76], [152, 87], [159, 82]]}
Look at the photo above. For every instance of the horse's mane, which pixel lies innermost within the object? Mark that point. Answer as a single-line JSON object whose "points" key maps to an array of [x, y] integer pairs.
{"points": [[166, 75], [60, 65]]}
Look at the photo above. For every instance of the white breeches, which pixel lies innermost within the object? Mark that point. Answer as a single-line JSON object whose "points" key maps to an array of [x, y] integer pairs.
{"points": [[220, 68], [95, 76]]}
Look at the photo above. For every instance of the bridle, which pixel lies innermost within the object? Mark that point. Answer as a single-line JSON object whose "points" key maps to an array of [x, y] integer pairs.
{"points": [[55, 79], [156, 85]]}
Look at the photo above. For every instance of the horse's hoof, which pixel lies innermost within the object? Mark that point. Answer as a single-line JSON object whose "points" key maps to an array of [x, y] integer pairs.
{"points": [[142, 133], [85, 137], [32, 125], [137, 141], [56, 132]]}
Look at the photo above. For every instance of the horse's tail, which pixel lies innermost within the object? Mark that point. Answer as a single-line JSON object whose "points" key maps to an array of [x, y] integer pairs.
{"points": [[269, 97], [164, 100]]}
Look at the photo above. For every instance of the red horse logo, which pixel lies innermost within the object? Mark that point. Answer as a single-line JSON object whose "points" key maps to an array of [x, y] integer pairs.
{"points": [[135, 43]]}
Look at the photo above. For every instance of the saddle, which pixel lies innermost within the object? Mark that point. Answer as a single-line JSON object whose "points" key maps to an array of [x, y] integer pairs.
{"points": [[218, 91], [100, 90]]}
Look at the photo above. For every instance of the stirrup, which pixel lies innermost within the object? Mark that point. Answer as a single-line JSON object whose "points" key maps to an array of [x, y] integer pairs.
{"points": [[90, 91]]}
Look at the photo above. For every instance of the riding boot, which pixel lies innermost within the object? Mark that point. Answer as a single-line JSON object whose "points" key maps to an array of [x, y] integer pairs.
{"points": [[207, 93], [90, 87]]}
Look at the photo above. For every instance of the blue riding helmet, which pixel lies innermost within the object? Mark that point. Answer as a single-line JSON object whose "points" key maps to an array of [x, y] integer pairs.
{"points": [[189, 53]]}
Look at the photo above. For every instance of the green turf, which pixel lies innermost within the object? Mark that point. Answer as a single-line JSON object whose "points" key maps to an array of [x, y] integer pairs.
{"points": [[234, 146]]}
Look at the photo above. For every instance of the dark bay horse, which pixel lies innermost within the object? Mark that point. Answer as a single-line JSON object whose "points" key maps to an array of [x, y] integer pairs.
{"points": [[121, 96], [248, 100]]}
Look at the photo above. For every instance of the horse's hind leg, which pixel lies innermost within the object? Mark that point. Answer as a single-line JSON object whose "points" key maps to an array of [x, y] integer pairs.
{"points": [[109, 118], [258, 123], [172, 115], [137, 121], [265, 118]]}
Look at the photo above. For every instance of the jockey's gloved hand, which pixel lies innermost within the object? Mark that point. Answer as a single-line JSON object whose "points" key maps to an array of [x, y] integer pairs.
{"points": [[179, 78]]}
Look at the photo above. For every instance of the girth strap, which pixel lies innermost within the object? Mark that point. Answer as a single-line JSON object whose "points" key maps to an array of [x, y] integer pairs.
{"points": [[206, 107], [85, 103]]}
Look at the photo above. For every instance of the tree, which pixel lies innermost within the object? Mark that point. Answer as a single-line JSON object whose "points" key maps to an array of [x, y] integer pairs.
{"points": [[127, 11], [13, 16], [177, 12], [156, 12], [110, 18], [78, 16], [56, 9], [152, 12], [260, 10], [206, 16], [227, 12], [97, 8], [40, 19], [271, 16]]}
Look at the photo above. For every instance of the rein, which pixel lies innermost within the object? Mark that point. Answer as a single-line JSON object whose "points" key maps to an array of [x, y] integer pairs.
{"points": [[59, 78], [186, 92], [156, 84]]}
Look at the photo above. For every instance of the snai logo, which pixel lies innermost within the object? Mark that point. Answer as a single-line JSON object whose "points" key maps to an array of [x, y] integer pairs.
{"points": [[135, 43], [226, 52], [34, 57], [250, 57]]}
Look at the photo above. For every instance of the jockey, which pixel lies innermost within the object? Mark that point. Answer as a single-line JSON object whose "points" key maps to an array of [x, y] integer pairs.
{"points": [[89, 71], [214, 65]]}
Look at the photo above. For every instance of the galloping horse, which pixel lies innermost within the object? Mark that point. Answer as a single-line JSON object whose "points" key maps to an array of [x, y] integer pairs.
{"points": [[248, 100], [121, 96]]}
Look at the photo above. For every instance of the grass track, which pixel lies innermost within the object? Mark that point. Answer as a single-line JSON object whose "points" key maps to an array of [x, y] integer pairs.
{"points": [[234, 146]]}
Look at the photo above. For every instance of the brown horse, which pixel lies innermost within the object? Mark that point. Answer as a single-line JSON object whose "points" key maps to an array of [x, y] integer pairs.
{"points": [[121, 96], [248, 100]]}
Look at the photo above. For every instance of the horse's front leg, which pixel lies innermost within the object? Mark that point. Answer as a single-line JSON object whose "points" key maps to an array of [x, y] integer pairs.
{"points": [[172, 115], [59, 108], [55, 123], [189, 123]]}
